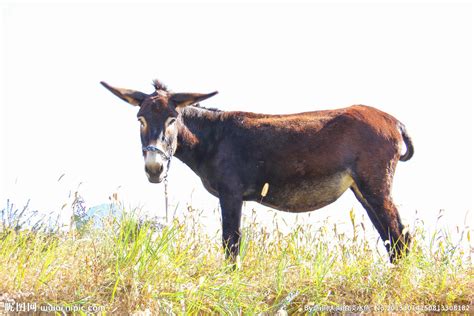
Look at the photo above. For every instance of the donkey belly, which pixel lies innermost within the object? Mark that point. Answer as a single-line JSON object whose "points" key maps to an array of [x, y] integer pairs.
{"points": [[307, 194]]}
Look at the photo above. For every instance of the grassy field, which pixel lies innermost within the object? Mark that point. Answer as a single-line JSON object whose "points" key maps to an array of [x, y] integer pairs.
{"points": [[126, 265]]}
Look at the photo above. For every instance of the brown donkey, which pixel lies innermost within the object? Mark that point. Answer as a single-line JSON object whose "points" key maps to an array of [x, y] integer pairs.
{"points": [[307, 159]]}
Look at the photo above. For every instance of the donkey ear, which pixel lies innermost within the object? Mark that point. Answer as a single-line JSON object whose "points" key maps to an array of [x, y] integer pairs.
{"points": [[185, 99], [131, 96]]}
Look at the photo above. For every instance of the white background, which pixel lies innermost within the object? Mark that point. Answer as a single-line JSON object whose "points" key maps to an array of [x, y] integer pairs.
{"points": [[413, 61]]}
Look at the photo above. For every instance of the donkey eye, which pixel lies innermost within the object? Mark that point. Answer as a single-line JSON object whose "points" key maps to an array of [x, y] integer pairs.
{"points": [[142, 122], [171, 121]]}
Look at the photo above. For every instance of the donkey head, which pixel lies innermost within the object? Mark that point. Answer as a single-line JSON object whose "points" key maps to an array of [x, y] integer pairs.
{"points": [[158, 115]]}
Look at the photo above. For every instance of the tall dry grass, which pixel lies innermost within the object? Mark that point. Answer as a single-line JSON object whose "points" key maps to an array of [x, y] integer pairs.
{"points": [[128, 265]]}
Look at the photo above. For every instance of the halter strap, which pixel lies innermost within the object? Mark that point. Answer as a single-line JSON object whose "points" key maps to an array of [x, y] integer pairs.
{"points": [[155, 149]]}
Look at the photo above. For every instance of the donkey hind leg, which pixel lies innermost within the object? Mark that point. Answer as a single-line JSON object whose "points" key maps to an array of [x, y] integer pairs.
{"points": [[231, 209], [376, 199]]}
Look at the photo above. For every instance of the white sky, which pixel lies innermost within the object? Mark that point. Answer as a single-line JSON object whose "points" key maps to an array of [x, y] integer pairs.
{"points": [[413, 61]]}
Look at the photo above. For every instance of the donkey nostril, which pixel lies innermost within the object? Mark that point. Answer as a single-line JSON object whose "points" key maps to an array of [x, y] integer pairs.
{"points": [[154, 169]]}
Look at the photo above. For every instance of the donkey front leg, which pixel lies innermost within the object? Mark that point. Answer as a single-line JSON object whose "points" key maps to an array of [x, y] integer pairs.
{"points": [[231, 208]]}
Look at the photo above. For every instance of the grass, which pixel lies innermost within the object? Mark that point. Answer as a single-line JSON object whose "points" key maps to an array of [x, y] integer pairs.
{"points": [[129, 265]]}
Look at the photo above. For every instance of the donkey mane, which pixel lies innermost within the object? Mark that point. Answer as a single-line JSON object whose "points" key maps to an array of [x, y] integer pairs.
{"points": [[159, 85], [199, 106], [202, 114]]}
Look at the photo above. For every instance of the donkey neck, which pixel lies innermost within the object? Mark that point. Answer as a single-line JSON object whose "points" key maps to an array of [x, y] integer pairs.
{"points": [[199, 131]]}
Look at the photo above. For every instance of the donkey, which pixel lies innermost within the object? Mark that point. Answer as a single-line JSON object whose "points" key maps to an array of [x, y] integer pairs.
{"points": [[305, 161]]}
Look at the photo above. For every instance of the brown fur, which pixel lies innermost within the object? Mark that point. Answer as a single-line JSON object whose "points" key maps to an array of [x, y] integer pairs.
{"points": [[308, 159]]}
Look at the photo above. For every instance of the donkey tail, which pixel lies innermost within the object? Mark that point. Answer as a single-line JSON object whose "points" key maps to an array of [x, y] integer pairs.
{"points": [[410, 150]]}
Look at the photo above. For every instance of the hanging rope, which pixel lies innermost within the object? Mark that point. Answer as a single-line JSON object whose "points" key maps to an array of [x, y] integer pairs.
{"points": [[166, 199], [166, 187]]}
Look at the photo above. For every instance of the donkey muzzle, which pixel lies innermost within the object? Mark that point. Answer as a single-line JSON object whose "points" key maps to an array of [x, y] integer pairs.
{"points": [[155, 162]]}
